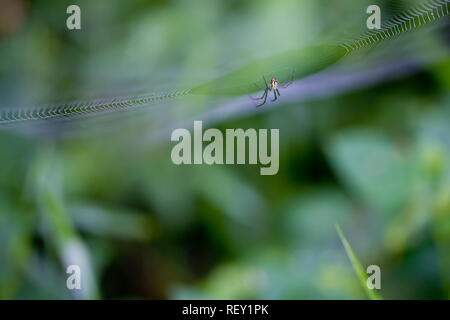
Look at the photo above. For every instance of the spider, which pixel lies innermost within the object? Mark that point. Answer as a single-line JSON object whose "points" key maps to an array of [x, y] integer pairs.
{"points": [[273, 85]]}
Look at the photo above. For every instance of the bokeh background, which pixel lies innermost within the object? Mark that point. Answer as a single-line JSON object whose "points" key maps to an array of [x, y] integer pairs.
{"points": [[375, 160]]}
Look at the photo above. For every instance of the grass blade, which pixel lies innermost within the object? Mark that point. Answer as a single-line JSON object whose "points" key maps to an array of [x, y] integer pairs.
{"points": [[362, 276]]}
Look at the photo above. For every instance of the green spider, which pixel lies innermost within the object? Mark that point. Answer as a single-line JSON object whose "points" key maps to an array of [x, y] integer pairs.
{"points": [[273, 85]]}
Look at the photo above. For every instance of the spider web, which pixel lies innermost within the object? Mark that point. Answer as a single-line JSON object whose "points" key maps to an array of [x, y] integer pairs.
{"points": [[429, 12]]}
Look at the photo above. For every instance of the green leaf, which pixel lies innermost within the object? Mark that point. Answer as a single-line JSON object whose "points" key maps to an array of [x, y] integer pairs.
{"points": [[362, 276], [372, 166], [303, 62]]}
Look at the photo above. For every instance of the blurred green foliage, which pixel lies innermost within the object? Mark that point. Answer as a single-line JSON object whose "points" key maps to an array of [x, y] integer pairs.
{"points": [[375, 161]]}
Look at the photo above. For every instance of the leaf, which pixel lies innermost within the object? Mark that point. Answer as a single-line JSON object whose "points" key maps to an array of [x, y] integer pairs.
{"points": [[306, 214], [371, 165], [362, 276], [303, 62], [112, 222]]}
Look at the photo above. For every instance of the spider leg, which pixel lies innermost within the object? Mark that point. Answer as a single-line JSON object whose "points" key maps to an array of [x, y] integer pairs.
{"points": [[253, 98], [274, 95], [265, 97], [254, 83], [286, 83], [265, 82], [287, 79], [258, 87]]}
